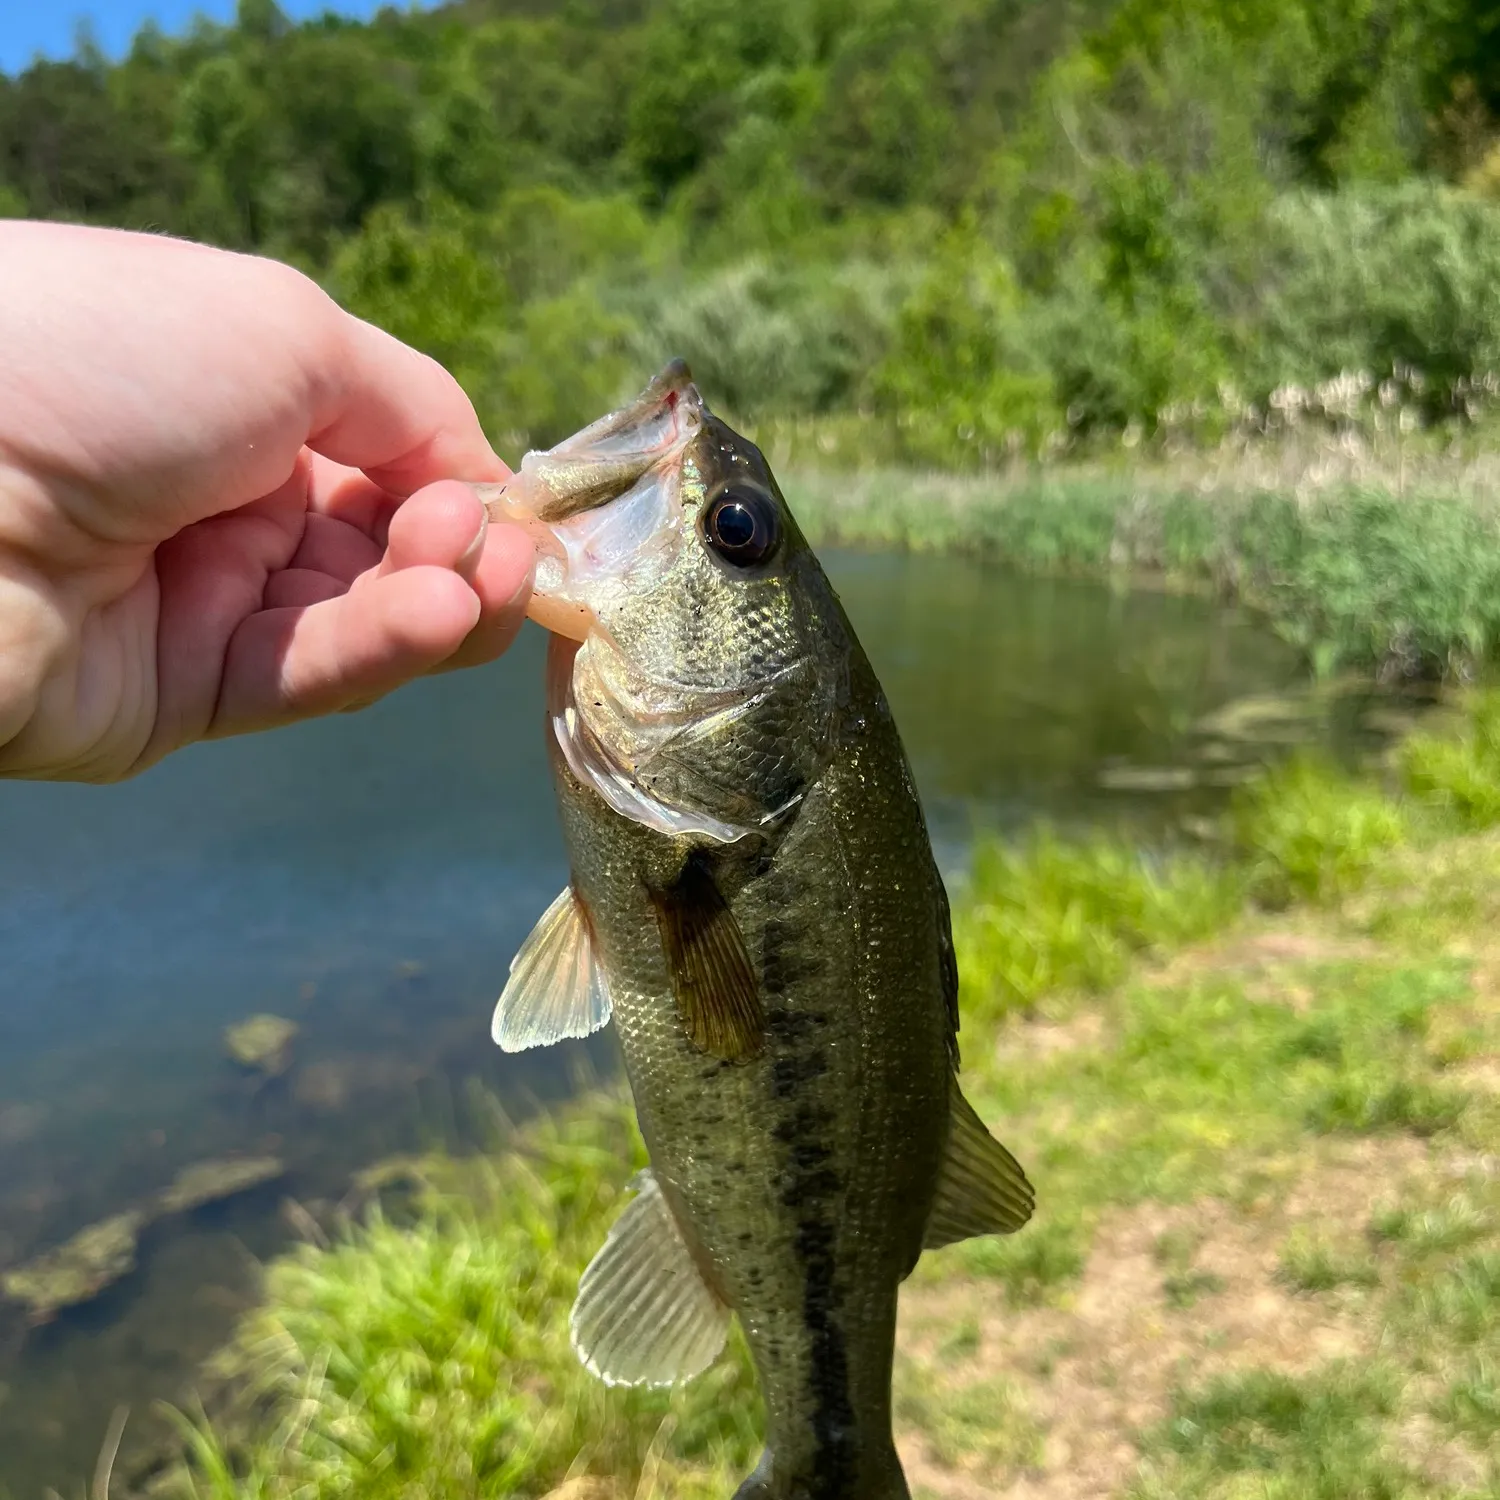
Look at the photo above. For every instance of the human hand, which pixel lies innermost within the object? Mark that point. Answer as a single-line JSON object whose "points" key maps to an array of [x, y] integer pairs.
{"points": [[225, 504]]}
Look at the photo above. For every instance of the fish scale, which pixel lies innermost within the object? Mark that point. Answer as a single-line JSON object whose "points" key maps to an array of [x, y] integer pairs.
{"points": [[806, 1174], [754, 898]]}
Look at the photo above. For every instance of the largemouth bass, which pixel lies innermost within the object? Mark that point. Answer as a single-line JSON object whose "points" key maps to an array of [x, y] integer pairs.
{"points": [[755, 904]]}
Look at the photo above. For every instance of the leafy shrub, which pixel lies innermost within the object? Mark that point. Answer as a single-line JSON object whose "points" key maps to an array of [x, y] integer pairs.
{"points": [[564, 362], [762, 337], [546, 240], [1374, 277], [430, 280], [1113, 364], [957, 376]]}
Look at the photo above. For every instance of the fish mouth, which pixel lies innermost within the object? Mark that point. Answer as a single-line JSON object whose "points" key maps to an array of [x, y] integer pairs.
{"points": [[605, 504]]}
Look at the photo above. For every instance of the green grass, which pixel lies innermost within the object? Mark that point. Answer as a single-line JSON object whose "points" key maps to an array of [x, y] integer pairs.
{"points": [[1308, 832], [981, 1422], [1269, 1434], [1460, 773], [1431, 1231], [1030, 1267], [1463, 1300], [437, 1353], [1364, 1104], [1471, 1404], [1184, 1283], [1309, 1263], [1200, 1087], [1046, 917]]}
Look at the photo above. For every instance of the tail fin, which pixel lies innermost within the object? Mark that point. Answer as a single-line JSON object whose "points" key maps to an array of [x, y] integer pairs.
{"points": [[886, 1482]]}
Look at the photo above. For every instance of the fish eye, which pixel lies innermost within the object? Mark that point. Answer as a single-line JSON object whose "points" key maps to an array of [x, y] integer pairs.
{"points": [[742, 525]]}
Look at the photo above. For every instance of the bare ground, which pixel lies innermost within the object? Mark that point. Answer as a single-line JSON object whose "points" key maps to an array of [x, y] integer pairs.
{"points": [[1168, 1294], [1172, 1295]]}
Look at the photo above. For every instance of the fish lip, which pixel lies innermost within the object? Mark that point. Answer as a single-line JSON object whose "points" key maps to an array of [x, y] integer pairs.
{"points": [[582, 474], [534, 493]]}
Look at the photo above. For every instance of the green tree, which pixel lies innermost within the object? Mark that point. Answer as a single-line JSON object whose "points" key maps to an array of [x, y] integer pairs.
{"points": [[697, 57], [886, 118], [434, 282]]}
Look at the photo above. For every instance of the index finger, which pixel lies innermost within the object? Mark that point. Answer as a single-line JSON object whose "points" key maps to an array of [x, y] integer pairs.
{"points": [[381, 406]]}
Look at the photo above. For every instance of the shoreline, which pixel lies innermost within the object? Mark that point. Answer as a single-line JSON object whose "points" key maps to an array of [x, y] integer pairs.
{"points": [[1352, 569], [1281, 1060]]}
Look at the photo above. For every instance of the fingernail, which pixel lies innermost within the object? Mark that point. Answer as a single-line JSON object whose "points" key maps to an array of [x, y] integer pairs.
{"points": [[524, 587], [469, 560]]}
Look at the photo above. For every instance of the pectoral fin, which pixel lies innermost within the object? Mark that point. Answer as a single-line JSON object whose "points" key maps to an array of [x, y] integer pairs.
{"points": [[557, 986], [717, 994], [981, 1187], [644, 1314]]}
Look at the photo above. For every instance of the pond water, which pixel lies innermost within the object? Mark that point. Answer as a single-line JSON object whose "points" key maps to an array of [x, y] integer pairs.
{"points": [[370, 876]]}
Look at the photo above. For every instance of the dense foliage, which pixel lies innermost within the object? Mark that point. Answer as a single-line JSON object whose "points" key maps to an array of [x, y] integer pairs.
{"points": [[983, 223]]}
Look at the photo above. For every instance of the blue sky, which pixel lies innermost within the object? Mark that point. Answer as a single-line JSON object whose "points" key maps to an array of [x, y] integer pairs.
{"points": [[29, 27]]}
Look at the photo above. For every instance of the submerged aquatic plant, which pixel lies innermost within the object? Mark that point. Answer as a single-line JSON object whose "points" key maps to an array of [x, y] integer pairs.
{"points": [[78, 1271], [262, 1044]]}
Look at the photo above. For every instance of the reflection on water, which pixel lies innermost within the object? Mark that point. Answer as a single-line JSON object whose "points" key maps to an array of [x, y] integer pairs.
{"points": [[370, 876]]}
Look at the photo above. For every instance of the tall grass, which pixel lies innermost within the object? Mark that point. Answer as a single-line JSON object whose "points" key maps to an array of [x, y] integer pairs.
{"points": [[1310, 832], [1355, 575], [1046, 917], [1460, 773]]}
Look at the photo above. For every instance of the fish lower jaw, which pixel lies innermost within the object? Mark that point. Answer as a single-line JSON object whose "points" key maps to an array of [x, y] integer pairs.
{"points": [[548, 606], [564, 617]]}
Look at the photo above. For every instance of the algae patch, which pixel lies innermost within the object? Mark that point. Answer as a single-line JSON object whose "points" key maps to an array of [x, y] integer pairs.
{"points": [[262, 1043], [79, 1270], [104, 1253], [212, 1181]]}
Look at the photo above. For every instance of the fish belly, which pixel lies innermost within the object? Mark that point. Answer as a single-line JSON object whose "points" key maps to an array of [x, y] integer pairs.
{"points": [[803, 1177]]}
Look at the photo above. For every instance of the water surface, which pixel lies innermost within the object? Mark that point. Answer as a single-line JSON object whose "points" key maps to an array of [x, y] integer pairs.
{"points": [[370, 876]]}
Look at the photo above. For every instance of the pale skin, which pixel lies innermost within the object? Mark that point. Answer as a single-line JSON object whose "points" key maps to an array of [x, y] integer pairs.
{"points": [[225, 505]]}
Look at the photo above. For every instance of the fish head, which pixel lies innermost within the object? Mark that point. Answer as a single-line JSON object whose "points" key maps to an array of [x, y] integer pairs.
{"points": [[699, 655]]}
